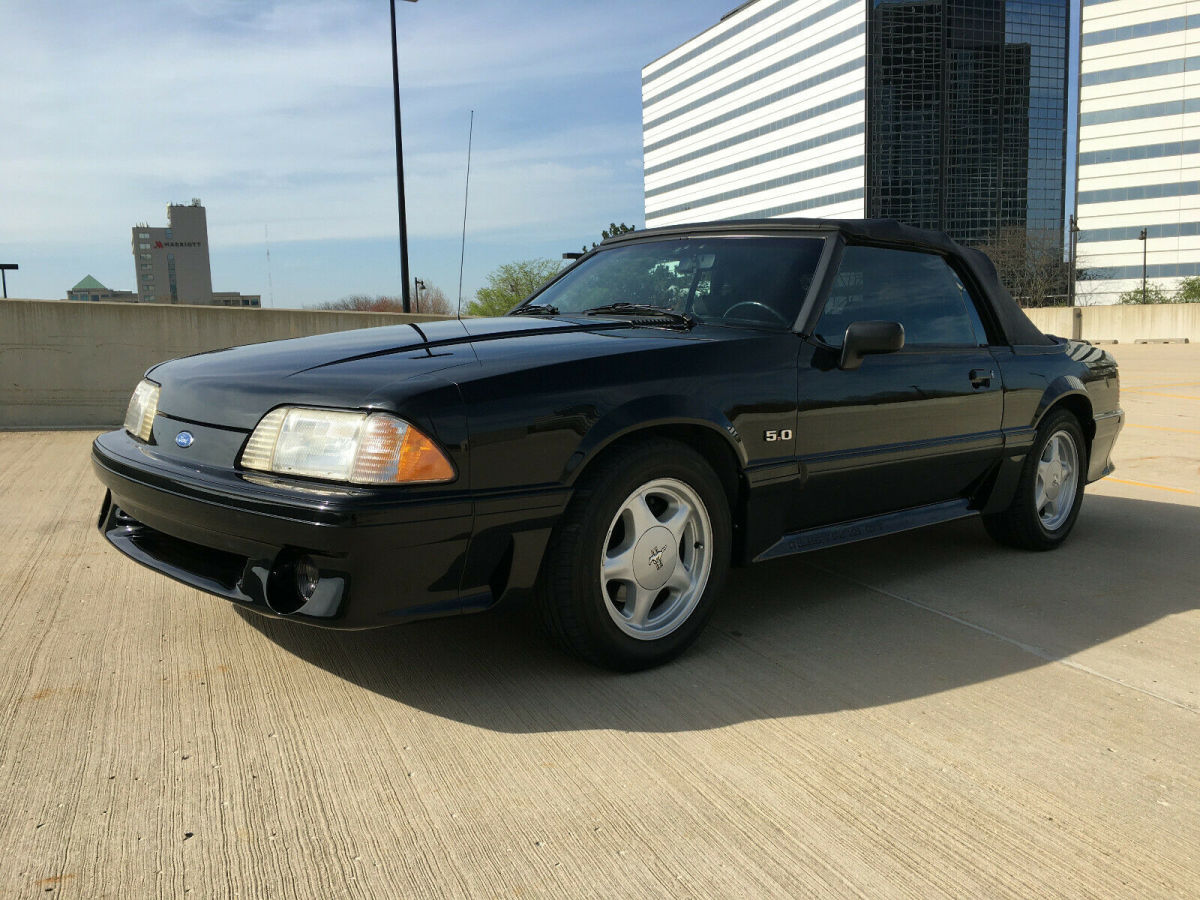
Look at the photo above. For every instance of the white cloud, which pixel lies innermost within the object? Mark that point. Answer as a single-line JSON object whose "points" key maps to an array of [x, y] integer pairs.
{"points": [[280, 113]]}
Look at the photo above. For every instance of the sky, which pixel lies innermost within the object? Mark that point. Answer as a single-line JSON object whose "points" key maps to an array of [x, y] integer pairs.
{"points": [[278, 116]]}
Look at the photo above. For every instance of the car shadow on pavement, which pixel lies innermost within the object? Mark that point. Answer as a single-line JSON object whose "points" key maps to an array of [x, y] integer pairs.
{"points": [[863, 625]]}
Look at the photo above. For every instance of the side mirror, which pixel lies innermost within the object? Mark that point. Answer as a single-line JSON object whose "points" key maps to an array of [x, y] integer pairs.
{"points": [[863, 338]]}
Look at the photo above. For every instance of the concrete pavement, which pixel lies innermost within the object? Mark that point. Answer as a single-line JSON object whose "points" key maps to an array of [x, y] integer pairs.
{"points": [[924, 715]]}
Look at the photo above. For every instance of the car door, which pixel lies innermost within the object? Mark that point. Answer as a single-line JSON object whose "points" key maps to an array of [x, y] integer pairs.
{"points": [[907, 428]]}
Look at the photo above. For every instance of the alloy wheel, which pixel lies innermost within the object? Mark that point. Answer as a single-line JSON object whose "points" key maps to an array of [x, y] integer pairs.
{"points": [[656, 559], [1057, 480]]}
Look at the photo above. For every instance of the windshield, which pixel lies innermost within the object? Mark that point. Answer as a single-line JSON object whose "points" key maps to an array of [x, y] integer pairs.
{"points": [[759, 281]]}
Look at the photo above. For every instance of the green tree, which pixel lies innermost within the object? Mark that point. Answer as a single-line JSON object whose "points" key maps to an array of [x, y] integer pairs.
{"points": [[511, 283], [612, 230], [1153, 294], [1189, 290]]}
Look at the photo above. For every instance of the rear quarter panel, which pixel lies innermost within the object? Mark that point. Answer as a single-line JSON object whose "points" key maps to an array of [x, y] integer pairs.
{"points": [[1037, 379]]}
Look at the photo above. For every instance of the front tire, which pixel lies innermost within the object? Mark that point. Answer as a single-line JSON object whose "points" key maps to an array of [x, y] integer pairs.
{"points": [[634, 567], [1050, 492]]}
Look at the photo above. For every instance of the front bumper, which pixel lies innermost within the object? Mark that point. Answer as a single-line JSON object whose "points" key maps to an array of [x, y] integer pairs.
{"points": [[384, 555]]}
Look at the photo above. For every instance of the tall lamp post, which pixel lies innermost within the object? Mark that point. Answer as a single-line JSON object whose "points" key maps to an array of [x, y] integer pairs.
{"points": [[1142, 238], [6, 267], [418, 286], [1074, 238], [404, 296]]}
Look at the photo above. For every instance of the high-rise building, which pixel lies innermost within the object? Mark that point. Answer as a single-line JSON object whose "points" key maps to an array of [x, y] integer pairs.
{"points": [[946, 114], [172, 263], [1139, 145], [172, 266]]}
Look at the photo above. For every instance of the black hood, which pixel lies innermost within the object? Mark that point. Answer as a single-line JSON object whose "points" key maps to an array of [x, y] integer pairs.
{"points": [[366, 368]]}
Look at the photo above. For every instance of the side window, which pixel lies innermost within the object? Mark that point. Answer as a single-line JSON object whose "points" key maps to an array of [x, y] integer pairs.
{"points": [[918, 290]]}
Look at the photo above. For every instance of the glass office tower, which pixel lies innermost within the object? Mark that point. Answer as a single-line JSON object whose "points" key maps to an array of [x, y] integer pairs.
{"points": [[966, 116], [946, 114]]}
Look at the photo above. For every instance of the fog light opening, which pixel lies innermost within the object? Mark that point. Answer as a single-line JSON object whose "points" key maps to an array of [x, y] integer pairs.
{"points": [[293, 583], [308, 576]]}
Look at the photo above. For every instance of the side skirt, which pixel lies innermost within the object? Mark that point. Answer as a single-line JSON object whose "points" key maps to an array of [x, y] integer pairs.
{"points": [[869, 527]]}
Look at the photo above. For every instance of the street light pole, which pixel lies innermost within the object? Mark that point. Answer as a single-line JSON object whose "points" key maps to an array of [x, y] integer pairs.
{"points": [[404, 296], [6, 267], [418, 286], [1073, 233], [1142, 238]]}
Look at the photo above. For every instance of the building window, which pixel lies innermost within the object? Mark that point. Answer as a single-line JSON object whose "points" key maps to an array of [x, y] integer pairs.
{"points": [[1162, 270], [796, 27], [1137, 30], [1143, 151], [1147, 111], [143, 234], [143, 246], [789, 91], [1140, 192], [1132, 232], [145, 256], [782, 181], [769, 128], [147, 277], [759, 159]]}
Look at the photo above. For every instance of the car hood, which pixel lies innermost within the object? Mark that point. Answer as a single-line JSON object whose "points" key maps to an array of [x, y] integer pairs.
{"points": [[366, 368]]}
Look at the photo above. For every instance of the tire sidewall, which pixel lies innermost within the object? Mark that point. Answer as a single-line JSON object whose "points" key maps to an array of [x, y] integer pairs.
{"points": [[614, 647], [1058, 422]]}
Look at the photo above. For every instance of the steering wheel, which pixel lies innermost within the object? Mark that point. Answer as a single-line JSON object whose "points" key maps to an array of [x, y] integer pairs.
{"points": [[755, 303]]}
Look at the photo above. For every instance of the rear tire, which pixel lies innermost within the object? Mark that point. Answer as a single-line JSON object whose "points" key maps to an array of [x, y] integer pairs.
{"points": [[635, 565], [1050, 492]]}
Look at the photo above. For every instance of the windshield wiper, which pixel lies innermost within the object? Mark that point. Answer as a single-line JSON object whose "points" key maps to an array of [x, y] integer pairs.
{"points": [[645, 310], [535, 309]]}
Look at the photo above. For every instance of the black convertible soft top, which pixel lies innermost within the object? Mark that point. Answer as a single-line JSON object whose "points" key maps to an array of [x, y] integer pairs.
{"points": [[1017, 327]]}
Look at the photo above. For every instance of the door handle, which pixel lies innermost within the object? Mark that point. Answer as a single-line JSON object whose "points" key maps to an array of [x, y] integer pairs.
{"points": [[982, 377]]}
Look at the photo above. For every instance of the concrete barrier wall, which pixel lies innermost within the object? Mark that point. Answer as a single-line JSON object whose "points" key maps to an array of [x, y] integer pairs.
{"points": [[1053, 320], [74, 365], [67, 365], [1131, 323], [1123, 323]]}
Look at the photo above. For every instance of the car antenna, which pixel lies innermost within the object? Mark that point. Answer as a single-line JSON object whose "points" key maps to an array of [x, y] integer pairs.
{"points": [[466, 193]]}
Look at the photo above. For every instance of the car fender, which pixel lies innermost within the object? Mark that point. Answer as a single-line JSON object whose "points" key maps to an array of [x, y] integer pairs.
{"points": [[1019, 441], [1056, 391], [646, 413]]}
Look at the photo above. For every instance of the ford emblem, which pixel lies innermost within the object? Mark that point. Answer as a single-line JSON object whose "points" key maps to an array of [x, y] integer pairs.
{"points": [[184, 439]]}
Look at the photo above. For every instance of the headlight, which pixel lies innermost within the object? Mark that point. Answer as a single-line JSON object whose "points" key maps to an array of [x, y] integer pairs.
{"points": [[359, 447], [139, 417]]}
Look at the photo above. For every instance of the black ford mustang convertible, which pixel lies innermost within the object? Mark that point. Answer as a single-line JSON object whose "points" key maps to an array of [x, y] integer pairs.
{"points": [[678, 401]]}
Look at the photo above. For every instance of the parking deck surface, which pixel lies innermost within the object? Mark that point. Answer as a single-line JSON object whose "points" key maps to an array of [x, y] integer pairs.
{"points": [[923, 715]]}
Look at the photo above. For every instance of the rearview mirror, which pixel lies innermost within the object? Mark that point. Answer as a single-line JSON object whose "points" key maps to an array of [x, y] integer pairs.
{"points": [[863, 338]]}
